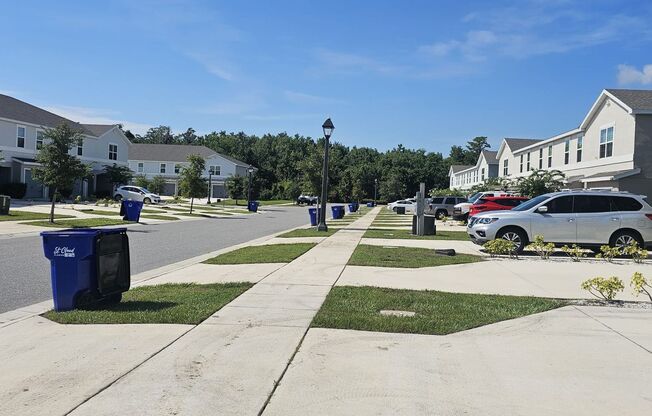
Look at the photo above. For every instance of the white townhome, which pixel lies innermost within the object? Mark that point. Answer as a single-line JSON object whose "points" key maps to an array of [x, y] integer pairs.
{"points": [[465, 176], [167, 160], [611, 148], [21, 136]]}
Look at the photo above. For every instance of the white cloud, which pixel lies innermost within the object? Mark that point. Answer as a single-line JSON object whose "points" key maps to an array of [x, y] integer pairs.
{"points": [[349, 63], [628, 74], [303, 98], [212, 66], [88, 115]]}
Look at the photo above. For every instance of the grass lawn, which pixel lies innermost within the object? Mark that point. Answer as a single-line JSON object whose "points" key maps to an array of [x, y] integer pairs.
{"points": [[153, 211], [100, 212], [28, 215], [162, 304], [271, 253], [308, 232], [194, 214], [79, 223], [437, 313], [159, 217], [407, 235], [179, 209], [410, 257]]}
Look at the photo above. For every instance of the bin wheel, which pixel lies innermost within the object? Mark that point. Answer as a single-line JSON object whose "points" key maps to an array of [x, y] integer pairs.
{"points": [[115, 298]]}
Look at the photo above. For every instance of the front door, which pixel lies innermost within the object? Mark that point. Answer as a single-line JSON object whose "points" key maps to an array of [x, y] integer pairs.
{"points": [[34, 189], [558, 225]]}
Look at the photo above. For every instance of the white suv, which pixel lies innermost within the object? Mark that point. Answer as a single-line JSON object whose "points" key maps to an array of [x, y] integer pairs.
{"points": [[586, 218], [136, 193], [461, 210]]}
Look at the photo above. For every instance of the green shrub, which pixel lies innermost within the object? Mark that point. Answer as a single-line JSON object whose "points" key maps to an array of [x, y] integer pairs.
{"points": [[78, 199], [641, 285], [542, 248], [500, 246], [635, 252], [444, 219], [575, 252], [608, 253], [603, 288]]}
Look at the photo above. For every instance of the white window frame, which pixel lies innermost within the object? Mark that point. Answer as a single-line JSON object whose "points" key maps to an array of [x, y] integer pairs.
{"points": [[528, 162], [24, 136], [567, 152], [506, 167], [80, 149], [162, 167], [541, 158], [606, 128], [177, 168], [140, 167], [482, 176], [580, 148], [37, 141], [115, 152], [521, 164], [550, 156]]}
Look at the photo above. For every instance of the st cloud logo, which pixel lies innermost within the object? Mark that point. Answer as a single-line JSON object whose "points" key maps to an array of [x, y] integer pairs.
{"points": [[64, 252]]}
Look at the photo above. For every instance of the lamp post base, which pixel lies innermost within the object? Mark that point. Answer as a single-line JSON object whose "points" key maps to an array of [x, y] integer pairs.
{"points": [[322, 227]]}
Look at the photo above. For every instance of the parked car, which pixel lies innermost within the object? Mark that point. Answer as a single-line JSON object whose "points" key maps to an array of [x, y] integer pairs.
{"points": [[136, 193], [495, 203], [461, 210], [586, 218], [409, 205], [307, 199], [442, 206]]}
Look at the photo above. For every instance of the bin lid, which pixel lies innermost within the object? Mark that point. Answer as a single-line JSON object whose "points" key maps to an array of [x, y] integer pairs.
{"points": [[83, 232]]}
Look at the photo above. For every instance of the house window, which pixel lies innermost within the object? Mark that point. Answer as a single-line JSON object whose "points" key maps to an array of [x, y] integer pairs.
{"points": [[141, 167], [215, 170], [541, 158], [113, 152], [606, 142], [528, 161], [579, 148], [162, 168], [521, 168], [39, 139], [482, 178], [80, 149], [20, 136], [505, 167], [177, 168], [550, 156], [567, 152]]}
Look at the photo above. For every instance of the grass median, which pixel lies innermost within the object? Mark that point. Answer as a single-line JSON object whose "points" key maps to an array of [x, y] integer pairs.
{"points": [[405, 257], [159, 217], [269, 253], [435, 313], [308, 232], [79, 223], [407, 235], [28, 215], [162, 304]]}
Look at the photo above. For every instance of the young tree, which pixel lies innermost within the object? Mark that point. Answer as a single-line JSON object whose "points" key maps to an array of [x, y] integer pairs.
{"points": [[236, 186], [118, 175], [59, 169], [157, 184], [192, 184], [142, 181]]}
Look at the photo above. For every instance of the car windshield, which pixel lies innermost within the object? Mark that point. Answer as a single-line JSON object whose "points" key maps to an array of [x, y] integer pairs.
{"points": [[474, 197], [531, 203], [145, 190]]}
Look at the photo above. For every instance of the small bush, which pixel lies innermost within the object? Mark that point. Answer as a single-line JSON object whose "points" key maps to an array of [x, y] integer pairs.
{"points": [[444, 219], [78, 199], [641, 285], [635, 252], [542, 248], [16, 190], [603, 288], [500, 246], [608, 253], [575, 252]]}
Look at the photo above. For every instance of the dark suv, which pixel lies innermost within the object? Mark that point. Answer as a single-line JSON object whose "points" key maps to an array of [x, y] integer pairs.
{"points": [[442, 206]]}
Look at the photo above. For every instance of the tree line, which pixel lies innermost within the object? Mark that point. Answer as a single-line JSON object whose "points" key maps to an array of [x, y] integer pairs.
{"points": [[290, 165]]}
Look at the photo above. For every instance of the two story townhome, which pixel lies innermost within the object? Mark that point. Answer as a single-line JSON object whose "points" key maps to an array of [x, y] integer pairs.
{"points": [[611, 148], [22, 126], [167, 160], [465, 177]]}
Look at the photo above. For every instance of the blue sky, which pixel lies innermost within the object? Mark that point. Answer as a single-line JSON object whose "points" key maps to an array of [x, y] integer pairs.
{"points": [[427, 74]]}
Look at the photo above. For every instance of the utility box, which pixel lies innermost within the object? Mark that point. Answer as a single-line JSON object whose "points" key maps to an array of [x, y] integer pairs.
{"points": [[429, 225]]}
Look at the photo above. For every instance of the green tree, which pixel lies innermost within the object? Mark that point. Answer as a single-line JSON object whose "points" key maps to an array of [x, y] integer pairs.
{"points": [[236, 186], [118, 174], [157, 135], [142, 181], [540, 182], [473, 149], [59, 169], [157, 184], [187, 137], [191, 183]]}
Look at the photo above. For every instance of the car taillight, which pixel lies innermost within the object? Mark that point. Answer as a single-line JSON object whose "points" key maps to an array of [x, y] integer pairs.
{"points": [[649, 216]]}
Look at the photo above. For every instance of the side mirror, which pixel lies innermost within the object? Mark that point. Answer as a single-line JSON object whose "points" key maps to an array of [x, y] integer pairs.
{"points": [[542, 209]]}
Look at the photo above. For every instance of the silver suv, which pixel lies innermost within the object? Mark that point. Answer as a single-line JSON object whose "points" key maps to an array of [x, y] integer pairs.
{"points": [[586, 218], [442, 206]]}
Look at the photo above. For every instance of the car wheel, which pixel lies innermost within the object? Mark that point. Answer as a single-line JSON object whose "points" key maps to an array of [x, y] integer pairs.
{"points": [[515, 236], [624, 238], [394, 209], [118, 197], [441, 213], [147, 201]]}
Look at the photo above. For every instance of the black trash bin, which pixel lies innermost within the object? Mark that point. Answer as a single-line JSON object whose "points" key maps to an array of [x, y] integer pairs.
{"points": [[400, 210], [5, 203], [429, 227]]}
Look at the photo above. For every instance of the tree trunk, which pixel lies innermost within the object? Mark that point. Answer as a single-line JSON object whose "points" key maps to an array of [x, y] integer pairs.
{"points": [[191, 201], [54, 197]]}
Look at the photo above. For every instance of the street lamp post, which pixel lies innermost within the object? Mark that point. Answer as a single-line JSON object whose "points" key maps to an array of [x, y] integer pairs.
{"points": [[328, 128], [250, 170], [375, 188], [210, 187]]}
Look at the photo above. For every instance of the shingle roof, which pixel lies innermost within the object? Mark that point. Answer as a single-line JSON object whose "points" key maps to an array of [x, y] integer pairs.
{"points": [[490, 156], [637, 100], [173, 152], [15, 109], [99, 129], [515, 144], [459, 168]]}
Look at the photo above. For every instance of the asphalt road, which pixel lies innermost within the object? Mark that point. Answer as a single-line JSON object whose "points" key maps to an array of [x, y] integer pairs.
{"points": [[25, 272]]}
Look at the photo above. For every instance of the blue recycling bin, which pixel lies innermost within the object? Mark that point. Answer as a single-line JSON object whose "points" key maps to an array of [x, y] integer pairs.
{"points": [[94, 262], [313, 212], [252, 206], [338, 212], [370, 204], [130, 210], [353, 207]]}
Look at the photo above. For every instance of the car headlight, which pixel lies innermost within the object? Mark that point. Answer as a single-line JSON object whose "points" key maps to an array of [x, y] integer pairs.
{"points": [[486, 220]]}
